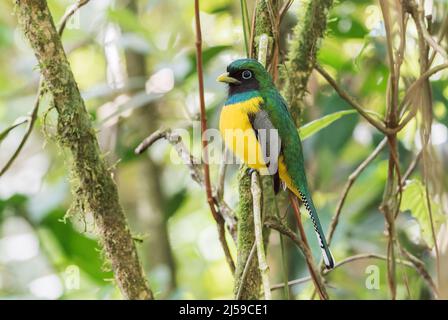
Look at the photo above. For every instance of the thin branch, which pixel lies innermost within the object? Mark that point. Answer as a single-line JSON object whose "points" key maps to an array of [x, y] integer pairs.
{"points": [[417, 16], [341, 263], [196, 173], [69, 13], [33, 115], [208, 187], [222, 176], [276, 224], [258, 227], [351, 180], [351, 101], [421, 269], [31, 121], [246, 271]]}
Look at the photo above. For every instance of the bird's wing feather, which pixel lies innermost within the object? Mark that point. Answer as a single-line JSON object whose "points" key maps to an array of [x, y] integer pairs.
{"points": [[268, 138]]}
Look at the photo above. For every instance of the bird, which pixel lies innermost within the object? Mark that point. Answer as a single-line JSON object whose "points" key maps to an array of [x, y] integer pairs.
{"points": [[254, 108]]}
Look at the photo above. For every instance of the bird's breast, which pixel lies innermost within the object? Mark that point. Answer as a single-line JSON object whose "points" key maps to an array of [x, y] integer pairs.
{"points": [[238, 134]]}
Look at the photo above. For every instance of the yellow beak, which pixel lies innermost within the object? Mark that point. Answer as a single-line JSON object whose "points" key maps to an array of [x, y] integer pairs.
{"points": [[227, 79]]}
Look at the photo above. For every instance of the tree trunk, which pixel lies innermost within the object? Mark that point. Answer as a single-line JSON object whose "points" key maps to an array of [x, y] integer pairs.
{"points": [[93, 186]]}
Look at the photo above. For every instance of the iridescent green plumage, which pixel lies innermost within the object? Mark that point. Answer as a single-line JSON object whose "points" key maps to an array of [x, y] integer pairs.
{"points": [[243, 88]]}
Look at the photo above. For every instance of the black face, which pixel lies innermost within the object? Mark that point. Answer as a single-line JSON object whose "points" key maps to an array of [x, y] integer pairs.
{"points": [[247, 79]]}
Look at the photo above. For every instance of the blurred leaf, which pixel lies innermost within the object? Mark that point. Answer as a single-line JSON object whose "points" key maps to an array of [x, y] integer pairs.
{"points": [[15, 203], [312, 127], [346, 27], [414, 200], [17, 123], [129, 22], [78, 248], [175, 202]]}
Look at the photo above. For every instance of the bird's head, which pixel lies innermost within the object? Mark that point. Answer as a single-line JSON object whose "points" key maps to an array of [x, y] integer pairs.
{"points": [[245, 75]]}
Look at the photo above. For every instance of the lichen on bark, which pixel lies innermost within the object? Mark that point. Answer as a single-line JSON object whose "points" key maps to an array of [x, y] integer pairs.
{"points": [[93, 186]]}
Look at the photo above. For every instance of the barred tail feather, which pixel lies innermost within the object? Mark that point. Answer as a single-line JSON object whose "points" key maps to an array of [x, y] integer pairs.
{"points": [[326, 253]]}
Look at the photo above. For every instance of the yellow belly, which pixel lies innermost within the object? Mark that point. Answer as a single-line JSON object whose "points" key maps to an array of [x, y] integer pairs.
{"points": [[238, 134], [240, 138], [286, 178]]}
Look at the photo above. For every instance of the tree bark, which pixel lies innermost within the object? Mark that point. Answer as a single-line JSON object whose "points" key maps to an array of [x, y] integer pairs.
{"points": [[93, 187]]}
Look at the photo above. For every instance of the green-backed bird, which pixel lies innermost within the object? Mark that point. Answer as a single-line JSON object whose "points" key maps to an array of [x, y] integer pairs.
{"points": [[255, 106]]}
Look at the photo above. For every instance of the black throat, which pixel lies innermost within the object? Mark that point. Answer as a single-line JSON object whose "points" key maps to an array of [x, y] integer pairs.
{"points": [[245, 86]]}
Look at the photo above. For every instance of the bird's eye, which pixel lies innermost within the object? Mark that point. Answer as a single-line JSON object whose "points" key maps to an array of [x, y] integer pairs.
{"points": [[246, 74]]}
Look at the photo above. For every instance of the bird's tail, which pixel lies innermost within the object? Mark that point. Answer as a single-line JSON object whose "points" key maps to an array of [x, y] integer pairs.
{"points": [[326, 253]]}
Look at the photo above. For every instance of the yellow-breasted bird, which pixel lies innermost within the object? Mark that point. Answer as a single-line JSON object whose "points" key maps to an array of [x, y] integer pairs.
{"points": [[254, 110]]}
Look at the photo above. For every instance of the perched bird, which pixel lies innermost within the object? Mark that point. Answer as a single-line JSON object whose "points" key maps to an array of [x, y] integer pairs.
{"points": [[254, 105]]}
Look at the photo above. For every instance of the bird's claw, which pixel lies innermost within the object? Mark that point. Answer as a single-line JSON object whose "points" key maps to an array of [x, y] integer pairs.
{"points": [[250, 171]]}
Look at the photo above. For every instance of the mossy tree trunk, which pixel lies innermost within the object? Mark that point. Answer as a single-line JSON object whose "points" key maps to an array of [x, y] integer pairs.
{"points": [[307, 35], [301, 59], [246, 233], [93, 187]]}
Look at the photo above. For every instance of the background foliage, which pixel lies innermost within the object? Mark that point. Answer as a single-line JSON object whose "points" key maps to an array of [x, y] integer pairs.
{"points": [[42, 254]]}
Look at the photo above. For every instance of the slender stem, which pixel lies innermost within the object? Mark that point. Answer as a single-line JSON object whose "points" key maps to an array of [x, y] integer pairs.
{"points": [[208, 188], [357, 257], [351, 101], [33, 116], [244, 18], [351, 180]]}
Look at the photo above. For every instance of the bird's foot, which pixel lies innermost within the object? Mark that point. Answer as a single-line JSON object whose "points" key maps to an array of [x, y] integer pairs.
{"points": [[250, 171]]}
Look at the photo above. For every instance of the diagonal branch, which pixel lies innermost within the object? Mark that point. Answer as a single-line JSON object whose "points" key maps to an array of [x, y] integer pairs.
{"points": [[351, 101], [33, 115]]}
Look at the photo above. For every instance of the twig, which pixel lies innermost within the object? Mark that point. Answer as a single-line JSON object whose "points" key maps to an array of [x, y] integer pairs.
{"points": [[32, 119], [341, 263], [416, 14], [196, 173], [426, 107], [208, 188], [263, 48], [245, 271], [351, 180], [276, 224], [244, 18], [69, 13], [33, 116], [351, 101], [222, 176], [421, 269], [258, 226], [252, 30]]}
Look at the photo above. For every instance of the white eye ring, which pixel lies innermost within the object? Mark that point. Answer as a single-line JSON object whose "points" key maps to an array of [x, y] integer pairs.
{"points": [[246, 74]]}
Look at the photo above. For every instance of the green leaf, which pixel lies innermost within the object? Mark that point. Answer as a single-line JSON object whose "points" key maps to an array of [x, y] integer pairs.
{"points": [[315, 126], [78, 248], [17, 123], [414, 200]]}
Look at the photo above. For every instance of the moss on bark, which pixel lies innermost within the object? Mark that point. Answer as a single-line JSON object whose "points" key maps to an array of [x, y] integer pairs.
{"points": [[307, 35], [245, 241], [93, 186]]}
